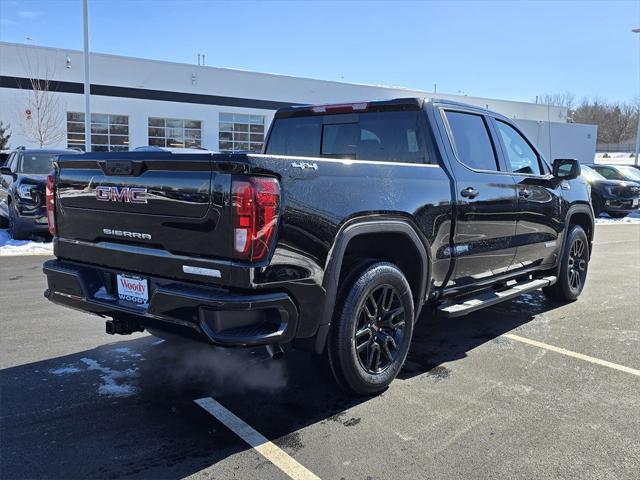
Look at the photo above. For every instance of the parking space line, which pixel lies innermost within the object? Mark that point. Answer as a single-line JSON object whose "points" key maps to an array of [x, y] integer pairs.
{"points": [[569, 353], [261, 444]]}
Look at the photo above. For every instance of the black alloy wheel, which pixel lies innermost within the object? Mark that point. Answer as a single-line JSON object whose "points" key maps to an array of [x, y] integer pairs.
{"points": [[371, 332], [577, 268], [380, 329]]}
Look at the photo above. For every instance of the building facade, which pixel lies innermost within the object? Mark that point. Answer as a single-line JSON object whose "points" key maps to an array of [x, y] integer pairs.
{"points": [[137, 102]]}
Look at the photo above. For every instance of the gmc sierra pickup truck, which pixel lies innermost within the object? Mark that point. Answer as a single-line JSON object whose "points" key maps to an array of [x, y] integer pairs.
{"points": [[354, 220]]}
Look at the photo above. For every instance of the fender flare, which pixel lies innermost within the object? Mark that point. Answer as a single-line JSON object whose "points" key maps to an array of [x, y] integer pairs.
{"points": [[573, 209], [335, 257]]}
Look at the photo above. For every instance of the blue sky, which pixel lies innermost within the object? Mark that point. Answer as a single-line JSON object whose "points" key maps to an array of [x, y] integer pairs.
{"points": [[512, 50]]}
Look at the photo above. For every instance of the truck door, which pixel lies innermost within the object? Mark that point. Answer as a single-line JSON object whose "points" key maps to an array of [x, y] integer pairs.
{"points": [[486, 200], [539, 198]]}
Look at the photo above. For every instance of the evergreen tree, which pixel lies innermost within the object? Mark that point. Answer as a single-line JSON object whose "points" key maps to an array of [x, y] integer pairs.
{"points": [[5, 135]]}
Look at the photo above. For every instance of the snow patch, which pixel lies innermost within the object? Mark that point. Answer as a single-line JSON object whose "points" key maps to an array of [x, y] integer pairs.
{"points": [[605, 219], [64, 370], [114, 380], [10, 247], [126, 351]]}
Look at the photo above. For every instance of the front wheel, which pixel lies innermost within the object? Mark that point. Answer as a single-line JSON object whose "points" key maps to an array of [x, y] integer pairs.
{"points": [[573, 269], [371, 335], [14, 224]]}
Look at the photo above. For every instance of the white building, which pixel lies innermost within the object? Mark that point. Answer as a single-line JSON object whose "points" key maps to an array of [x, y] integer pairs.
{"points": [[138, 102]]}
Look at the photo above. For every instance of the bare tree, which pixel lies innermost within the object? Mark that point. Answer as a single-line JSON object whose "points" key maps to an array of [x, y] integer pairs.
{"points": [[617, 122], [566, 99], [42, 116]]}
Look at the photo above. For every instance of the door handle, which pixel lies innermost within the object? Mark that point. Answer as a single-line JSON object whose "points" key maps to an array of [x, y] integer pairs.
{"points": [[524, 193], [469, 192]]}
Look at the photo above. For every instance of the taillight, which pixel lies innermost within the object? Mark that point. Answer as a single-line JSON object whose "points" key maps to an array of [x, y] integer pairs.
{"points": [[255, 204], [51, 207]]}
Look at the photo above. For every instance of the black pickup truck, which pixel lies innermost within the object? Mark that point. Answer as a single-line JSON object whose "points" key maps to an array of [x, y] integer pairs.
{"points": [[354, 220]]}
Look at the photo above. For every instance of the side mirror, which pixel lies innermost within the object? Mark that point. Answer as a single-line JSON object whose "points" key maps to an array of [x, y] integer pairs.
{"points": [[566, 168], [5, 171]]}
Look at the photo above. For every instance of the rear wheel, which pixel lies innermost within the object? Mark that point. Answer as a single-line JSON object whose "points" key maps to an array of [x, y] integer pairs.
{"points": [[371, 335], [573, 269]]}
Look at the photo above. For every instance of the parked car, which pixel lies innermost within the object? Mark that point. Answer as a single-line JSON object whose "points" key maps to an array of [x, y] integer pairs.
{"points": [[627, 173], [613, 197], [22, 190], [355, 219], [4, 155]]}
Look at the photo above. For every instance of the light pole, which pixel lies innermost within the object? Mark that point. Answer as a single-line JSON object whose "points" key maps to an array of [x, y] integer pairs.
{"points": [[87, 84], [637, 30]]}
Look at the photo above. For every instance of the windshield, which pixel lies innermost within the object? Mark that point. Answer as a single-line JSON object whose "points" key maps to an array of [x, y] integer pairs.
{"points": [[630, 173], [36, 163], [590, 174]]}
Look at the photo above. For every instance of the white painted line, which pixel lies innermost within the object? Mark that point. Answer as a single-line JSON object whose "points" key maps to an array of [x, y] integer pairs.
{"points": [[569, 353], [264, 447]]}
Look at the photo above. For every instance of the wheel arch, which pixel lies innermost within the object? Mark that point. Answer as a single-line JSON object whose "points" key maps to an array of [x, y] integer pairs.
{"points": [[582, 215], [378, 232]]}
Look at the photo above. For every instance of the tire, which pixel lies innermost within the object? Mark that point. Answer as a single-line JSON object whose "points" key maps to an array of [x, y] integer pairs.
{"points": [[14, 225], [371, 333], [573, 269], [618, 214], [596, 203]]}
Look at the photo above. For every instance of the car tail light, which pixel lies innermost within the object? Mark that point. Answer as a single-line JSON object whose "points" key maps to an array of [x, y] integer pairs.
{"points": [[255, 204], [50, 201]]}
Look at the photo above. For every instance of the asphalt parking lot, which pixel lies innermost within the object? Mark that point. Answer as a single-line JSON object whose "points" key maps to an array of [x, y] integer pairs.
{"points": [[471, 402]]}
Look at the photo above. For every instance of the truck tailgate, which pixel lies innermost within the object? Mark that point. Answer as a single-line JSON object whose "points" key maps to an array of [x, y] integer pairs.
{"points": [[171, 202]]}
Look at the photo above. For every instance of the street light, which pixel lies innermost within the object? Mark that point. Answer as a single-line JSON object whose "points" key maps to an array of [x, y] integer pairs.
{"points": [[637, 30], [87, 84]]}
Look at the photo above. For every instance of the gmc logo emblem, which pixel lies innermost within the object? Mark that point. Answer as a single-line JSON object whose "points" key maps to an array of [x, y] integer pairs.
{"points": [[121, 194]]}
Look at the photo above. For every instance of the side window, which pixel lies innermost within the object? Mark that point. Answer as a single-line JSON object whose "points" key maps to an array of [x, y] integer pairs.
{"points": [[521, 156], [472, 142], [13, 162]]}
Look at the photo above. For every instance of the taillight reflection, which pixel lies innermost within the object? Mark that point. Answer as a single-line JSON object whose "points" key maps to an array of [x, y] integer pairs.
{"points": [[50, 200]]}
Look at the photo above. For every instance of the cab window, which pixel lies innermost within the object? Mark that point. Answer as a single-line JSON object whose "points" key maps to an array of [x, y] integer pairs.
{"points": [[471, 140], [522, 158]]}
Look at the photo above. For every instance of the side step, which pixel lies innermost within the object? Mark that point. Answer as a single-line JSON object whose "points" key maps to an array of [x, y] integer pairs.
{"points": [[486, 299]]}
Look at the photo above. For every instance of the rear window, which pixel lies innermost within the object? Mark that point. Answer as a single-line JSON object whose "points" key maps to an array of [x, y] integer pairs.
{"points": [[378, 136]]}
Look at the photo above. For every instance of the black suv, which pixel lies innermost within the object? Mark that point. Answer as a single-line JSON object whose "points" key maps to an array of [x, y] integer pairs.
{"points": [[22, 190], [617, 198], [355, 219]]}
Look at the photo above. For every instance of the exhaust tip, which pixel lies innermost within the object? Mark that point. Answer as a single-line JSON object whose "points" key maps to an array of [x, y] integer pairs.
{"points": [[275, 351]]}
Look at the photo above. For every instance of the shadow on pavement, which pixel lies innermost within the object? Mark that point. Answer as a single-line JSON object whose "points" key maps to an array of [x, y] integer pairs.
{"points": [[126, 409]]}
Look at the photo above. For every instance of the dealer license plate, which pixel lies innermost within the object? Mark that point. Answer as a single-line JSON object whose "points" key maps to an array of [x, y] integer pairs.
{"points": [[636, 201], [133, 289]]}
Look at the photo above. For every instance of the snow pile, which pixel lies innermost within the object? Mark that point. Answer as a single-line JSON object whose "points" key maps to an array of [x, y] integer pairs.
{"points": [[11, 247], [605, 219], [113, 385], [615, 158]]}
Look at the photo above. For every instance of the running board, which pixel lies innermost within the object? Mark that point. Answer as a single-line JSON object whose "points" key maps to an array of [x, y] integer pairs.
{"points": [[486, 299]]}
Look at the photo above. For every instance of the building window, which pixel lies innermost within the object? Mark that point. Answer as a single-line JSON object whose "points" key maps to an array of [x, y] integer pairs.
{"points": [[175, 133], [109, 133], [240, 133]]}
